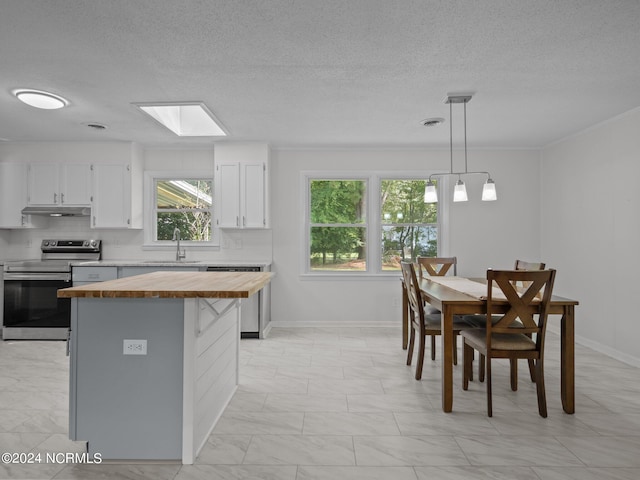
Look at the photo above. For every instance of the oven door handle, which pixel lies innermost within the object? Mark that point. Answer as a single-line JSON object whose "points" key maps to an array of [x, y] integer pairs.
{"points": [[65, 277]]}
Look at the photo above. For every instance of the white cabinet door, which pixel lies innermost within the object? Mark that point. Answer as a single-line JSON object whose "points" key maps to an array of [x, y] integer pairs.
{"points": [[240, 194], [59, 184], [75, 184], [13, 197], [44, 184], [227, 193], [241, 184], [111, 206], [252, 205]]}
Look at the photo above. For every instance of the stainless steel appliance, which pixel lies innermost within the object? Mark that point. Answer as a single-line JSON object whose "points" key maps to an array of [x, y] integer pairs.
{"points": [[250, 310], [32, 309]]}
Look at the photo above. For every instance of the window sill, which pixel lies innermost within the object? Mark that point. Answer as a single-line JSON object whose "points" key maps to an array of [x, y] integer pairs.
{"points": [[350, 277]]}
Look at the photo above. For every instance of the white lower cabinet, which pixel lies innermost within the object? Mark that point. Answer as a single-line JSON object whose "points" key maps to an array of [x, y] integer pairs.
{"points": [[84, 275]]}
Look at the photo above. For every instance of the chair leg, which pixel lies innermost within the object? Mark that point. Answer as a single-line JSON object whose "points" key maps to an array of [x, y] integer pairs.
{"points": [[455, 348], [542, 397], [412, 339], [433, 347], [514, 373], [532, 370], [467, 364], [489, 400], [420, 357], [481, 367]]}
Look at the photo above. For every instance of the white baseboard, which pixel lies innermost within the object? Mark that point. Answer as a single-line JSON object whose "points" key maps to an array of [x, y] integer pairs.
{"points": [[599, 347], [333, 324]]}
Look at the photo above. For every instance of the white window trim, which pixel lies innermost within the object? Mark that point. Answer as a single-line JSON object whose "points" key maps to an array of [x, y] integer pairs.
{"points": [[373, 180], [150, 176]]}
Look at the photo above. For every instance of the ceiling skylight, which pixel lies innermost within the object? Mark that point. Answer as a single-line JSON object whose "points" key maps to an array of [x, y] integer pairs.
{"points": [[186, 119]]}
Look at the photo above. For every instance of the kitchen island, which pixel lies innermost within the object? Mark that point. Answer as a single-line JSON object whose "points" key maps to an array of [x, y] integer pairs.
{"points": [[154, 361]]}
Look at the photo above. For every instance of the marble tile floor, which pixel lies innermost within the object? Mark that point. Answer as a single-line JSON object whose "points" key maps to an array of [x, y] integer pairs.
{"points": [[325, 403]]}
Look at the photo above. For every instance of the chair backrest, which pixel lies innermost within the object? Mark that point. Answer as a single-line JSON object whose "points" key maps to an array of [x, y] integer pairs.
{"points": [[437, 266], [524, 303], [413, 292], [522, 265]]}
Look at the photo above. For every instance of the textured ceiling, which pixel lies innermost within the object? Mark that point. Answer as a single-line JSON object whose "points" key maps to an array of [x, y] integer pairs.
{"points": [[318, 73]]}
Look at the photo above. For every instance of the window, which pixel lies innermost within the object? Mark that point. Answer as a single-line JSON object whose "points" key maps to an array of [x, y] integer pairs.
{"points": [[409, 227], [338, 236], [185, 203], [369, 223]]}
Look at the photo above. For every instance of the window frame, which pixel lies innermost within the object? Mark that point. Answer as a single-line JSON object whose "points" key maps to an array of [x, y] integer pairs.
{"points": [[150, 202], [373, 220]]}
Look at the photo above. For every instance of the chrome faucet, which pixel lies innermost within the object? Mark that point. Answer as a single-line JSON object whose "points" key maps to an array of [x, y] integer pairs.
{"points": [[176, 238]]}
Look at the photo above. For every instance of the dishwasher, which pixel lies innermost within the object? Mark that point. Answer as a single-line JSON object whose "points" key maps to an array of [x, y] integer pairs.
{"points": [[250, 307]]}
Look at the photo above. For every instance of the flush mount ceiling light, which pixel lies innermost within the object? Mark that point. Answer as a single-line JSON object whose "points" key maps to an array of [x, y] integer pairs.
{"points": [[460, 190], [41, 99], [185, 119]]}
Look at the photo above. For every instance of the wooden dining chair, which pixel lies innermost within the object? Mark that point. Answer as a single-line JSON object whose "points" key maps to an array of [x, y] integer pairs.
{"points": [[509, 335], [421, 322], [481, 320], [437, 267]]}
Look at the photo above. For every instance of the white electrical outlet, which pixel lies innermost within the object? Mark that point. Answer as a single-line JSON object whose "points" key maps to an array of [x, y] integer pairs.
{"points": [[134, 347]]}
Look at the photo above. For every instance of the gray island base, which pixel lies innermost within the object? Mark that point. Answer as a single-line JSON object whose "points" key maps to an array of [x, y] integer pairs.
{"points": [[154, 361]]}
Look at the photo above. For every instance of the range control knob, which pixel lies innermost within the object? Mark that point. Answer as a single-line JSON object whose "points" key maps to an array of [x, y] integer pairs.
{"points": [[85, 243], [94, 243], [45, 243]]}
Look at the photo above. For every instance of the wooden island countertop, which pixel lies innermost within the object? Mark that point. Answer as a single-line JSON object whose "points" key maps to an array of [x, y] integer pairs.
{"points": [[167, 284]]}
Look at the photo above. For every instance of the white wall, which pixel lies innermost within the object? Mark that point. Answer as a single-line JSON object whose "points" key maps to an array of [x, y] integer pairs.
{"points": [[483, 234], [591, 226]]}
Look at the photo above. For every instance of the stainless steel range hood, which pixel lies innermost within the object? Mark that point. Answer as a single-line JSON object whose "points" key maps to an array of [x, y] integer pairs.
{"points": [[57, 211]]}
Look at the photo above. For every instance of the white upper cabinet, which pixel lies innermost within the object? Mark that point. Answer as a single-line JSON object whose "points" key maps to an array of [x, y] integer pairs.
{"points": [[241, 181], [13, 198], [59, 184], [117, 193]]}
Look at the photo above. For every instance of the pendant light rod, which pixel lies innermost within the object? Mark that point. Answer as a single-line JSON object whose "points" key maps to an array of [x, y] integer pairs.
{"points": [[465, 137], [488, 192], [450, 137]]}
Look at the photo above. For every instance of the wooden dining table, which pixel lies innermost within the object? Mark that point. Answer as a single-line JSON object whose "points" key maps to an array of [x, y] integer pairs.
{"points": [[453, 302]]}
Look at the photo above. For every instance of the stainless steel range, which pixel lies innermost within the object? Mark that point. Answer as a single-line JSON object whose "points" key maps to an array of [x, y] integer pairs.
{"points": [[32, 309]]}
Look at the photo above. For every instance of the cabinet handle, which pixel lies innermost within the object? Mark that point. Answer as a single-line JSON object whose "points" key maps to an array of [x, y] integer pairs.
{"points": [[62, 198], [94, 220], [244, 221], [237, 221], [55, 198]]}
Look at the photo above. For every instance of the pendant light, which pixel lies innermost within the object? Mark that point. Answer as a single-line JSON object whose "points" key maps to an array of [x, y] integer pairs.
{"points": [[459, 190]]}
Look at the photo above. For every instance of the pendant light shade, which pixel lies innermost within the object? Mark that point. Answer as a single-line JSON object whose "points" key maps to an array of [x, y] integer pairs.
{"points": [[460, 190], [489, 191], [430, 193]]}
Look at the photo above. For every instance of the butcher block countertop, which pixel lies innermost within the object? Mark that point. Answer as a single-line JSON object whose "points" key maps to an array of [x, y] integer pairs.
{"points": [[167, 284]]}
